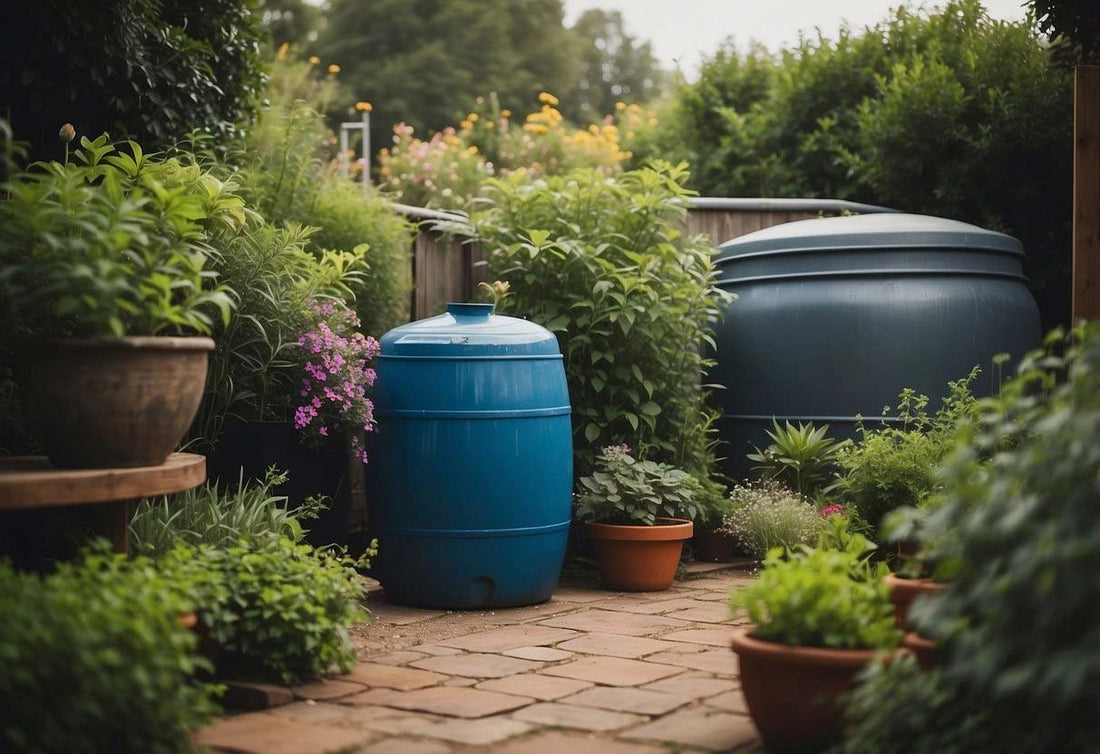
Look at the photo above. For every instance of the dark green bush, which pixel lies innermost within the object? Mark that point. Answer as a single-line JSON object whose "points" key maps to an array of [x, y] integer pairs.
{"points": [[278, 609], [94, 660], [601, 262], [149, 69]]}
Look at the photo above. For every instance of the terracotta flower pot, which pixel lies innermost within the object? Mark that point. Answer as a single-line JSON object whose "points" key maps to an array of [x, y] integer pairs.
{"points": [[902, 593], [639, 558], [713, 546], [793, 693], [926, 651], [111, 402]]}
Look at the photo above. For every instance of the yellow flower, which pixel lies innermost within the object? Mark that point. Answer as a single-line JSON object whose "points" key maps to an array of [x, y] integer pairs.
{"points": [[472, 117], [465, 125], [333, 69], [470, 150], [634, 108], [314, 60], [364, 107], [384, 170], [490, 124], [548, 98], [506, 113], [535, 128], [283, 49], [620, 105]]}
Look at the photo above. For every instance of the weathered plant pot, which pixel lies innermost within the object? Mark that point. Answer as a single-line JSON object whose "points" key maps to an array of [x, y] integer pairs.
{"points": [[902, 593], [794, 693], [639, 558], [713, 546], [248, 448], [111, 402]]}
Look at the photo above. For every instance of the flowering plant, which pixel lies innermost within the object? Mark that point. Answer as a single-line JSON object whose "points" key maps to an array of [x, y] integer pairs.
{"points": [[337, 377]]}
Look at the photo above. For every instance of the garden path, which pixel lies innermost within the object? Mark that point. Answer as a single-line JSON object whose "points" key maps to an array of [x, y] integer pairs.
{"points": [[589, 672]]}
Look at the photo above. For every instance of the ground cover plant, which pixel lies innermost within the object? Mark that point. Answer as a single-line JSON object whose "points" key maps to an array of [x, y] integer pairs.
{"points": [[95, 659], [765, 515]]}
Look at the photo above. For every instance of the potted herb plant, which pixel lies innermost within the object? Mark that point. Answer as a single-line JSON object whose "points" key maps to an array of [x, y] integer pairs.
{"points": [[638, 514], [712, 542], [107, 294], [819, 615]]}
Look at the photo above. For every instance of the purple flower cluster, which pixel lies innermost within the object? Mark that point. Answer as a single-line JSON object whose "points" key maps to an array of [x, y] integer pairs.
{"points": [[337, 378]]}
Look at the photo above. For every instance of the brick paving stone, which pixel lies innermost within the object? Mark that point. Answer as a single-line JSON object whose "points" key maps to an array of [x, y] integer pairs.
{"points": [[368, 698], [575, 594], [731, 701], [477, 665], [722, 661], [312, 712], [458, 702], [400, 657], [639, 701], [406, 746], [543, 654], [611, 622], [391, 722], [460, 682], [558, 742], [716, 731], [436, 650], [714, 596], [612, 671], [488, 730], [613, 645], [535, 685], [398, 615], [261, 733], [705, 568], [327, 689], [568, 716], [654, 606], [696, 688], [391, 677], [714, 637], [707, 612], [509, 637], [245, 695]]}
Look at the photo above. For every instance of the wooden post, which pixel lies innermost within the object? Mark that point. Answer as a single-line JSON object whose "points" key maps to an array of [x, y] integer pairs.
{"points": [[1086, 193]]}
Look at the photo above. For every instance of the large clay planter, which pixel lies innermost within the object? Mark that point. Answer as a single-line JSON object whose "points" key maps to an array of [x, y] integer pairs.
{"points": [[793, 693], [902, 593], [639, 558], [713, 546], [926, 651], [111, 402]]}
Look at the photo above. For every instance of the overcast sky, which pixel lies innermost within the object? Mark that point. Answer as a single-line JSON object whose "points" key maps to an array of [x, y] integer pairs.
{"points": [[682, 31]]}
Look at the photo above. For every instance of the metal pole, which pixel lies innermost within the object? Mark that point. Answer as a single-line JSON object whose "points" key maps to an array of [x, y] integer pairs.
{"points": [[343, 160], [366, 149]]}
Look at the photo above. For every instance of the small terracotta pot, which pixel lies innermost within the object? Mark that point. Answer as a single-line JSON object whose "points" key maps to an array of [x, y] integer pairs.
{"points": [[794, 693], [926, 651], [902, 593], [639, 558], [111, 402], [716, 547]]}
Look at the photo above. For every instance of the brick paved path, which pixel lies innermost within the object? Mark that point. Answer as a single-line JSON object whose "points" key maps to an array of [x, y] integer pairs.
{"points": [[589, 672]]}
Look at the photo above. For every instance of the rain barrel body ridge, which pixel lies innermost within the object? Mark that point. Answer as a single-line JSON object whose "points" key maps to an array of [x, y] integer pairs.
{"points": [[470, 472], [834, 317]]}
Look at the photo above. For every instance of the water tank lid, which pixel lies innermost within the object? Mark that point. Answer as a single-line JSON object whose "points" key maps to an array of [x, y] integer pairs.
{"points": [[470, 331], [892, 230]]}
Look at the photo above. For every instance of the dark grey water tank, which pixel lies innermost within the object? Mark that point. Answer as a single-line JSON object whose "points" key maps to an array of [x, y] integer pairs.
{"points": [[835, 316]]}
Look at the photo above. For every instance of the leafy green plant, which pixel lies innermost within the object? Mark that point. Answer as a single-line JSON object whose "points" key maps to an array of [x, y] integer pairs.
{"points": [[601, 262], [117, 245], [803, 457], [95, 660], [712, 505], [276, 608], [821, 597], [622, 490], [765, 515], [216, 517]]}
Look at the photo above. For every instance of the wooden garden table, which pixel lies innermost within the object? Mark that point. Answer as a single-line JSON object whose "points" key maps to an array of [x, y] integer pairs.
{"points": [[101, 497]]}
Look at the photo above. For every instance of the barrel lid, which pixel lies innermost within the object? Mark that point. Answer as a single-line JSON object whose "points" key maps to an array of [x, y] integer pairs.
{"points": [[878, 231], [469, 331]]}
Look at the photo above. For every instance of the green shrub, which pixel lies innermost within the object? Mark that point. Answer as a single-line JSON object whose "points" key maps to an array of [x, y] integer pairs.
{"points": [[821, 597], [712, 505], [622, 490], [216, 517], [767, 515], [803, 457], [119, 244], [95, 660], [278, 609], [602, 263]]}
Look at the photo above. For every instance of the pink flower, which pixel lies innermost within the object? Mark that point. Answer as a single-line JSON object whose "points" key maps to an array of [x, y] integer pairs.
{"points": [[831, 510]]}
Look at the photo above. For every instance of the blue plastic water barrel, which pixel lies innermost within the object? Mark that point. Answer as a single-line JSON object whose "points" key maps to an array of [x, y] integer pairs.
{"points": [[471, 468], [835, 316]]}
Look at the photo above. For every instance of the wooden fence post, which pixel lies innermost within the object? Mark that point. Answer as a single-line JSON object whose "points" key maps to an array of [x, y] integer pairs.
{"points": [[1086, 193]]}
